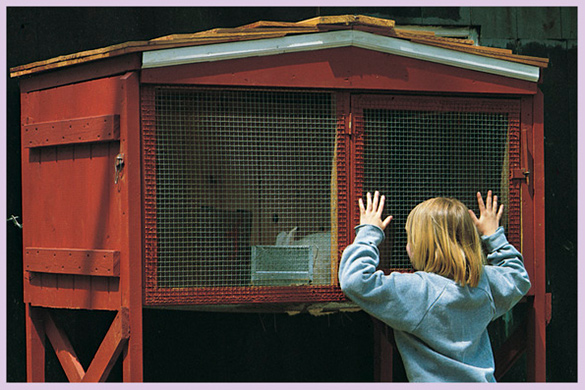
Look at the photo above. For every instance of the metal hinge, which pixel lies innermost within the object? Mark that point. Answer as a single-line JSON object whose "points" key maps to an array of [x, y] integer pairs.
{"points": [[548, 302], [349, 124]]}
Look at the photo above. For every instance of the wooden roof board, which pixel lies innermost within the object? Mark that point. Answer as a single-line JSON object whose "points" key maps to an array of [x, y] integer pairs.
{"points": [[268, 23], [225, 32], [429, 35], [349, 20], [125, 48], [501, 54], [269, 29]]}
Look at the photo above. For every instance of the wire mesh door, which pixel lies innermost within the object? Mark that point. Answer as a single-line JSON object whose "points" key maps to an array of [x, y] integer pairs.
{"points": [[415, 148], [239, 192]]}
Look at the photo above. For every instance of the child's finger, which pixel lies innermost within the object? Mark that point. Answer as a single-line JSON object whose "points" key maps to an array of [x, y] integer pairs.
{"points": [[500, 213], [361, 204], [369, 201], [480, 203], [488, 201], [386, 222], [376, 200], [380, 208]]}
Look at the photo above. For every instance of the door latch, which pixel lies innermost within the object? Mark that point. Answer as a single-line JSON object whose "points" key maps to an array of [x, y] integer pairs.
{"points": [[520, 174], [118, 167]]}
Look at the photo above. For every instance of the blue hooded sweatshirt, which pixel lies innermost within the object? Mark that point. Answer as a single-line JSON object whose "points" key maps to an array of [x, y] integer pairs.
{"points": [[439, 326]]}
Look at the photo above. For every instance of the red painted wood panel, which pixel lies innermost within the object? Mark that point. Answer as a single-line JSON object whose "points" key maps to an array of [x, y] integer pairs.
{"points": [[102, 294], [351, 67], [70, 200]]}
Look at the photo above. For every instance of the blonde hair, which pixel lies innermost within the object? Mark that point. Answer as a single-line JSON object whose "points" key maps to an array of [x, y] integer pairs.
{"points": [[443, 239]]}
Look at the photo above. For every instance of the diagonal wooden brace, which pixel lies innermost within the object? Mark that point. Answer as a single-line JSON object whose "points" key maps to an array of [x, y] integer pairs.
{"points": [[105, 357], [110, 349], [63, 349]]}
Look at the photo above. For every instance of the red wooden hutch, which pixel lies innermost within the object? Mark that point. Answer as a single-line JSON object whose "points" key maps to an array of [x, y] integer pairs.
{"points": [[222, 170]]}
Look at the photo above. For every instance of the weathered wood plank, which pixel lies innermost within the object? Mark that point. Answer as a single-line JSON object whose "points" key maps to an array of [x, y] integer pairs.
{"points": [[237, 33], [501, 54], [348, 20]]}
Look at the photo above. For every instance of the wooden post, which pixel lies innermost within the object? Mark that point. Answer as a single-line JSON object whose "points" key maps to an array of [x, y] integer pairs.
{"points": [[131, 224], [538, 314], [35, 345], [383, 352]]}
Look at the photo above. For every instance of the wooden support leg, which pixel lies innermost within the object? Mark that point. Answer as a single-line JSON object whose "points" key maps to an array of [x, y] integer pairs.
{"points": [[510, 351], [132, 354], [35, 345], [383, 352], [536, 345]]}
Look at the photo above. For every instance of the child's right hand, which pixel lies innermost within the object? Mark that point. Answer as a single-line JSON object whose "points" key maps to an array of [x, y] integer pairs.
{"points": [[489, 214]]}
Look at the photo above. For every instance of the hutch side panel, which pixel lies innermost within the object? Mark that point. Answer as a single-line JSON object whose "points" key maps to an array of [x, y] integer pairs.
{"points": [[71, 203]]}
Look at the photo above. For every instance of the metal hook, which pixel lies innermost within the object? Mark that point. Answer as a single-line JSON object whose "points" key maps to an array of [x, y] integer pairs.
{"points": [[14, 220], [118, 167]]}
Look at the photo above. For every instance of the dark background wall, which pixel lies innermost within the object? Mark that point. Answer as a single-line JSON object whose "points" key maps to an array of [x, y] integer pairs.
{"points": [[193, 346]]}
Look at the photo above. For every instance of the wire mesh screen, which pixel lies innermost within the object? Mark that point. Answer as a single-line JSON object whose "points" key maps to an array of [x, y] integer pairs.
{"points": [[413, 155], [240, 173]]}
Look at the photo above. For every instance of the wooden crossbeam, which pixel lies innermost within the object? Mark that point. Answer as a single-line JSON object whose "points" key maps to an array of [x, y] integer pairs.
{"points": [[105, 357]]}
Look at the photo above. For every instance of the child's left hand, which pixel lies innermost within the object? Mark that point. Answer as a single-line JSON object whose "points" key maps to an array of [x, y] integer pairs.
{"points": [[372, 213]]}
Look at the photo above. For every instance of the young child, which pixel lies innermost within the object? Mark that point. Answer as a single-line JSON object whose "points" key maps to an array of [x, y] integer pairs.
{"points": [[439, 313]]}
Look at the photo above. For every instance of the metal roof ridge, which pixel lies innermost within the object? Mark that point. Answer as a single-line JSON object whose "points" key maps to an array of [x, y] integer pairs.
{"points": [[336, 39]]}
